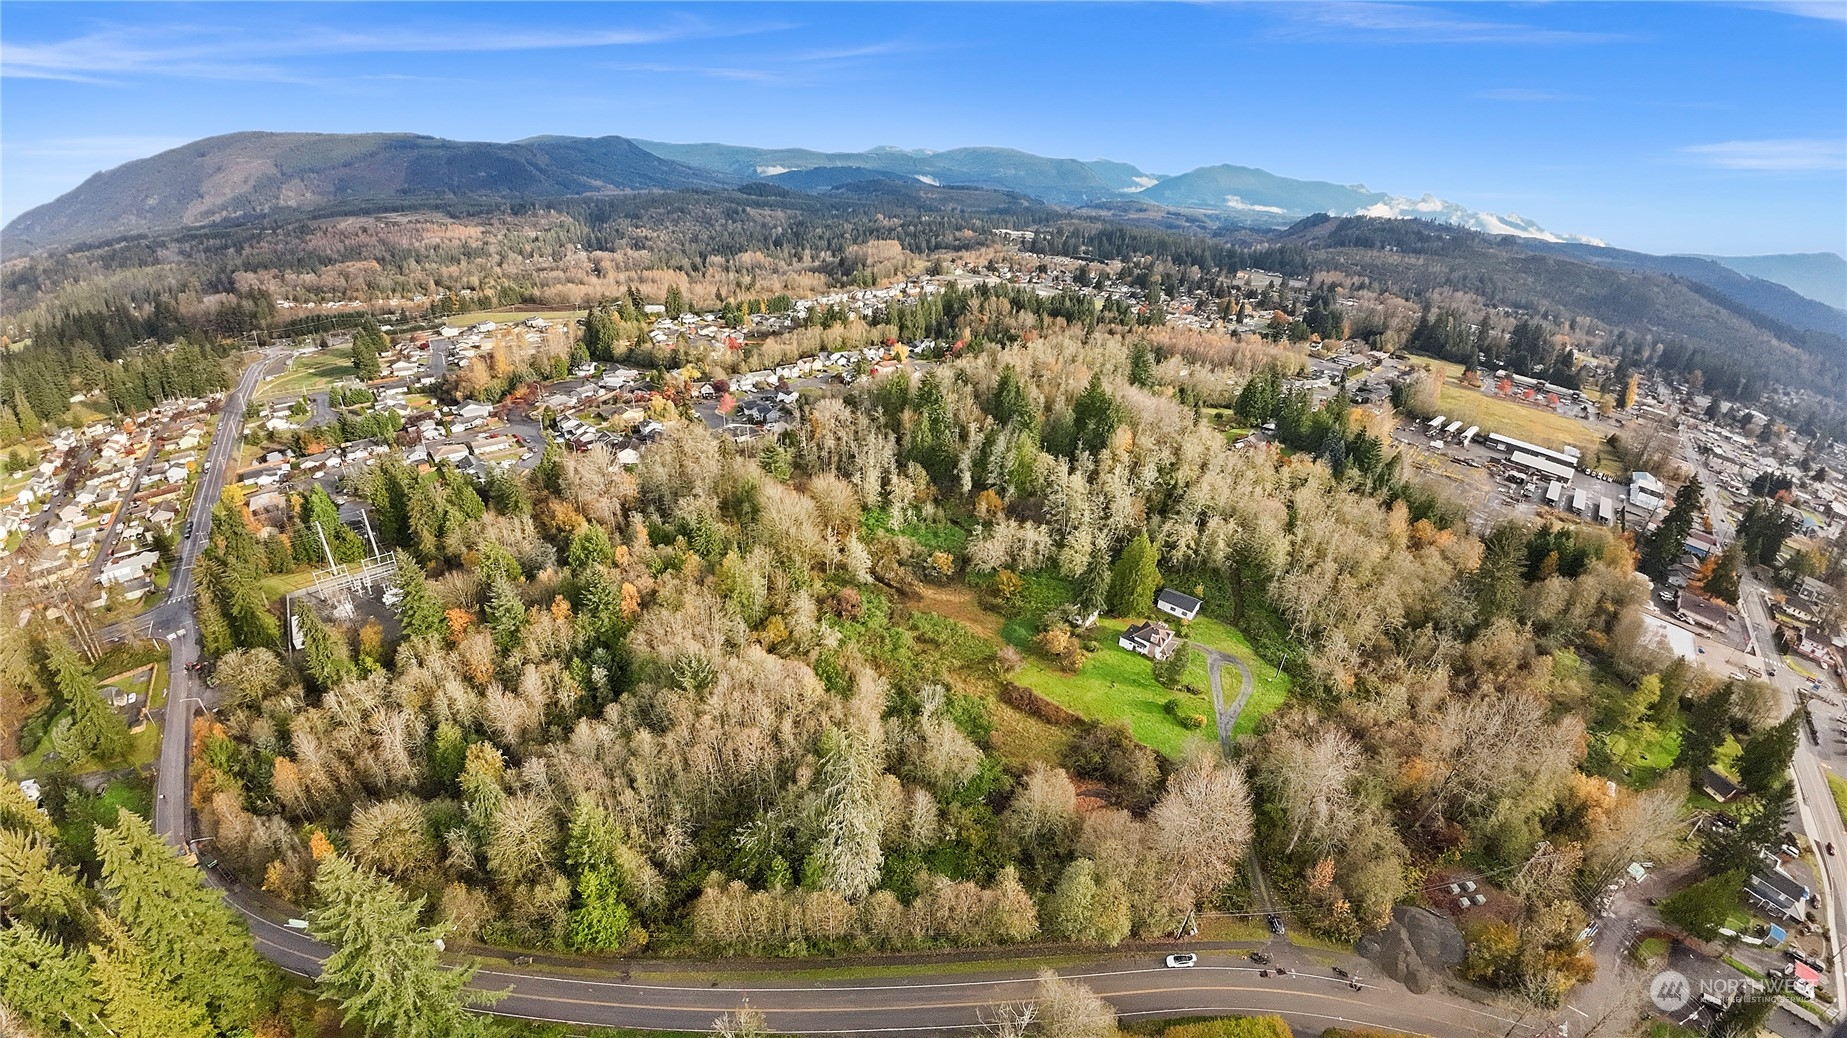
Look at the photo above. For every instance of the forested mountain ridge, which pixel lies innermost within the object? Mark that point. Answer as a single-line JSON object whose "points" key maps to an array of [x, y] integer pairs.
{"points": [[1821, 276], [1670, 322], [253, 172], [244, 173], [1770, 298]]}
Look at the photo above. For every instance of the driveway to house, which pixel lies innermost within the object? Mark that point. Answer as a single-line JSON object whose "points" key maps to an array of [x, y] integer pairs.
{"points": [[1227, 719]]}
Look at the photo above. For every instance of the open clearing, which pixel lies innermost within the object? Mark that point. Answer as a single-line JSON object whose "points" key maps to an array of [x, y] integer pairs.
{"points": [[1521, 421], [311, 371]]}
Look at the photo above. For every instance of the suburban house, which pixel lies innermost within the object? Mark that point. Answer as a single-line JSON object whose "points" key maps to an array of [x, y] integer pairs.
{"points": [[1778, 894], [1151, 638], [1717, 786], [1173, 603]]}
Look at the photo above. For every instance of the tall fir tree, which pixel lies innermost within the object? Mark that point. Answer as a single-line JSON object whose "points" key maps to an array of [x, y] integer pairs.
{"points": [[325, 651], [97, 730], [386, 969], [1764, 762], [1135, 579], [46, 982], [1669, 540], [420, 615], [195, 947]]}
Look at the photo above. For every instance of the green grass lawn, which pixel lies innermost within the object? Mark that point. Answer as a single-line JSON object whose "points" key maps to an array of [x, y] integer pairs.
{"points": [[1115, 684], [1648, 752], [276, 585], [1838, 786], [1648, 950], [1269, 687], [310, 372]]}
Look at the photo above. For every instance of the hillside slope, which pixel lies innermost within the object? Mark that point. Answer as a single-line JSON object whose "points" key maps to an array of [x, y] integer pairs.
{"points": [[1766, 297], [1736, 347], [1821, 276], [241, 174]]}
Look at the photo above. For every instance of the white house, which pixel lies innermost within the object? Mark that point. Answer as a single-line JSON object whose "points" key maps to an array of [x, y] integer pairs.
{"points": [[127, 568], [1173, 603], [1151, 638]]}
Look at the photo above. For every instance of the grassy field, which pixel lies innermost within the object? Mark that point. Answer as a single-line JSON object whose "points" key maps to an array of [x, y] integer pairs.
{"points": [[1522, 421], [1115, 684], [1648, 753], [276, 585], [1269, 687], [1838, 786], [510, 316], [310, 372]]}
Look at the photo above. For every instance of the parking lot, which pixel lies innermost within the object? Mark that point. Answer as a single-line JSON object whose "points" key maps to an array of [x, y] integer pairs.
{"points": [[1494, 489]]}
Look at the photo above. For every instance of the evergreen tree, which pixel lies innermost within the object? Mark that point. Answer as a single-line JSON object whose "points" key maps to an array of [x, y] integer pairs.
{"points": [[325, 652], [1764, 762], [1094, 417], [368, 343], [1707, 729], [185, 938], [505, 614], [1135, 579], [385, 969], [29, 424], [139, 1000], [1739, 848], [589, 547], [1705, 906], [1722, 581], [1141, 364], [46, 982], [600, 921], [1012, 406], [96, 728], [1669, 540], [420, 615]]}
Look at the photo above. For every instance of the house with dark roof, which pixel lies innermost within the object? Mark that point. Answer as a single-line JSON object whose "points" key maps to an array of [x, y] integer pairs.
{"points": [[1778, 894], [1704, 612], [1717, 786], [1151, 638], [1173, 603]]}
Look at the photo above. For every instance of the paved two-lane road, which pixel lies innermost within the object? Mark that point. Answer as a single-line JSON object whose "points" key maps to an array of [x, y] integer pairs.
{"points": [[689, 996], [173, 619]]}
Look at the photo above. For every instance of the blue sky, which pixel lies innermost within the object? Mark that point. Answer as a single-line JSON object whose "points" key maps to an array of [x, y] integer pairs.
{"points": [[1664, 127]]}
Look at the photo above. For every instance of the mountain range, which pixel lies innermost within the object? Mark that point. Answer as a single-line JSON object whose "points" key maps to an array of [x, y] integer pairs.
{"points": [[255, 173]]}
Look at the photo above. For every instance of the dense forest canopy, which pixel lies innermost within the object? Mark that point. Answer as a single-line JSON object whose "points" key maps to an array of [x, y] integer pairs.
{"points": [[777, 697]]}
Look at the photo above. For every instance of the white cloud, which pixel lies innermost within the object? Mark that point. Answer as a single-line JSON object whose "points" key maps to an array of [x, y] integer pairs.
{"points": [[1780, 155], [1409, 23], [109, 54], [1825, 10]]}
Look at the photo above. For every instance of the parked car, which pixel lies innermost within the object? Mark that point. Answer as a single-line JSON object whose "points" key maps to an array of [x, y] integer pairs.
{"points": [[1181, 960], [1453, 889], [1276, 924], [1468, 886]]}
